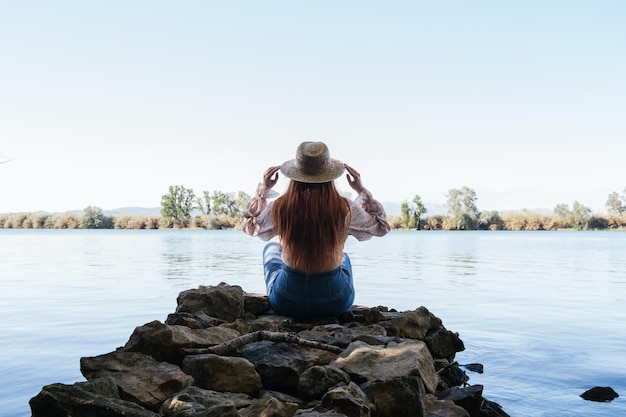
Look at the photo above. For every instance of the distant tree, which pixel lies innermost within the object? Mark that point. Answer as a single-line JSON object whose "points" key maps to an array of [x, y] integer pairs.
{"points": [[177, 204], [462, 208], [93, 218], [223, 203], [579, 216], [411, 213], [204, 203], [616, 203], [561, 210], [490, 220], [242, 201]]}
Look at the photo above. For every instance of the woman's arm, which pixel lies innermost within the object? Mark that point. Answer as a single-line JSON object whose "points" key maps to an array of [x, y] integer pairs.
{"points": [[368, 215], [257, 219]]}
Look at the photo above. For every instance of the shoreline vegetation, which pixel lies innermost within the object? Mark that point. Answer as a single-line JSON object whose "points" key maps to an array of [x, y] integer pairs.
{"points": [[181, 209]]}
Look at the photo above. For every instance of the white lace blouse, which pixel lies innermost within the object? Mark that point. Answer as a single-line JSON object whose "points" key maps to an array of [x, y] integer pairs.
{"points": [[368, 216]]}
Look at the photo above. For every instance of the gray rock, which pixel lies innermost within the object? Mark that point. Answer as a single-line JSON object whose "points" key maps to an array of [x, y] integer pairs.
{"points": [[269, 406], [165, 343], [197, 402], [349, 400], [315, 381], [140, 378], [223, 373], [443, 408], [256, 304], [397, 397], [368, 363], [470, 398], [225, 302], [60, 400], [280, 364]]}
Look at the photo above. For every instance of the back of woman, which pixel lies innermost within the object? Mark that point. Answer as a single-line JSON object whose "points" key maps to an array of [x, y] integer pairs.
{"points": [[307, 273]]}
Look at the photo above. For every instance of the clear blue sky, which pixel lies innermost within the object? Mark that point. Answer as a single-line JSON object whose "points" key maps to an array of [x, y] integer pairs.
{"points": [[109, 103]]}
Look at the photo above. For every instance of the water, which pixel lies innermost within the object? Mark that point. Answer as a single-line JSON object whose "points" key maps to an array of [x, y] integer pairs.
{"points": [[544, 312]]}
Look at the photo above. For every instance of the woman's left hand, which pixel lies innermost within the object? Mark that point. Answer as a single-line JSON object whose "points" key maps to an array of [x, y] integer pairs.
{"points": [[354, 179]]}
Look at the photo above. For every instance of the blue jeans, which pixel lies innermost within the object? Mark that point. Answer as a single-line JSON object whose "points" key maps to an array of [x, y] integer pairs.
{"points": [[299, 295]]}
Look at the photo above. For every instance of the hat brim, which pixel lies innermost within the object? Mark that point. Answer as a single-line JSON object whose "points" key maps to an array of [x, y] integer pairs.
{"points": [[331, 171]]}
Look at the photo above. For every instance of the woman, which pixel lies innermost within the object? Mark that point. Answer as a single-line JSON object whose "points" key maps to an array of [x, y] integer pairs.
{"points": [[307, 273]]}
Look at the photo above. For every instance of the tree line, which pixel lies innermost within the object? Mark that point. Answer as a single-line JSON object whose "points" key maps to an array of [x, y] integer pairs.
{"points": [[181, 208]]}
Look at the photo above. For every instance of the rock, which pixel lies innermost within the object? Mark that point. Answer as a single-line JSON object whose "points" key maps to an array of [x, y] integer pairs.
{"points": [[223, 373], [200, 320], [444, 408], [413, 324], [443, 343], [470, 398], [367, 363], [600, 394], [397, 397], [140, 378], [225, 302], [280, 364], [197, 402], [349, 400], [256, 304], [240, 360], [269, 406], [165, 343], [316, 380], [79, 400]]}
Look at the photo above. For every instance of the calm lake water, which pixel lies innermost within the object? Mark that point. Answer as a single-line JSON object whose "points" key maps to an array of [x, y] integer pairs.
{"points": [[544, 312]]}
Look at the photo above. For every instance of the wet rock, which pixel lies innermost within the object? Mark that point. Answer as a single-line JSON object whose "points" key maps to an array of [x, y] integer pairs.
{"points": [[444, 408], [470, 398], [367, 363], [223, 373], [600, 394], [140, 378]]}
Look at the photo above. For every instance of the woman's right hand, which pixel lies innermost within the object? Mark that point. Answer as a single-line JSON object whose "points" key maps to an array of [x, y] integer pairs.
{"points": [[270, 177]]}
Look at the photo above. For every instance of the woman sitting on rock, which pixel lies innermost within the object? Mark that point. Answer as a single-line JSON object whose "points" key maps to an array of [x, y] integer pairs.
{"points": [[307, 273]]}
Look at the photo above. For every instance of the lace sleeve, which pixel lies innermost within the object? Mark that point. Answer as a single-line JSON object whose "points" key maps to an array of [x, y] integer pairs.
{"points": [[257, 219], [368, 217]]}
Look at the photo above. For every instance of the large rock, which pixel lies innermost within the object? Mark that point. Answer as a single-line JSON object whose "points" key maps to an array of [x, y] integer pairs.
{"points": [[367, 363], [397, 397], [349, 400], [166, 342], [223, 373], [197, 402], [225, 302], [280, 364], [140, 378], [315, 381], [83, 399]]}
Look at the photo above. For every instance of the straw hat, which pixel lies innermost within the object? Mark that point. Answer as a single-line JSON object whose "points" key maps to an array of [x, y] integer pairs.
{"points": [[313, 164]]}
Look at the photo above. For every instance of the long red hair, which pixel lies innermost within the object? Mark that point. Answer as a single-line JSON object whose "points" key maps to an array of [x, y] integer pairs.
{"points": [[311, 221]]}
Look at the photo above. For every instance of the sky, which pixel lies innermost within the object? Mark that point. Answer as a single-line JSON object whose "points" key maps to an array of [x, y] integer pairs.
{"points": [[107, 104]]}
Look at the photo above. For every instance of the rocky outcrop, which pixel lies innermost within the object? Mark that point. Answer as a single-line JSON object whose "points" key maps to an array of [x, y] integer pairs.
{"points": [[224, 353]]}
